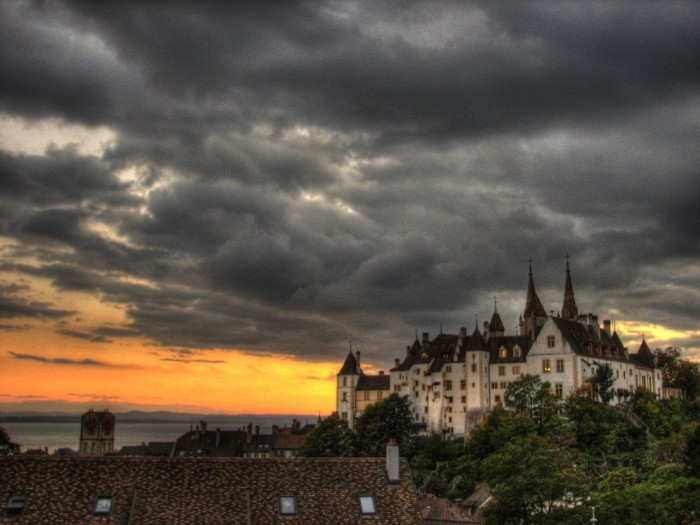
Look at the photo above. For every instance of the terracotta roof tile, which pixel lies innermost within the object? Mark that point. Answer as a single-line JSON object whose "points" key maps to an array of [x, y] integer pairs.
{"points": [[206, 491]]}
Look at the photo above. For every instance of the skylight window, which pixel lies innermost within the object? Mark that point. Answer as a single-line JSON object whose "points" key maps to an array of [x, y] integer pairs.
{"points": [[15, 504], [288, 505], [103, 506], [368, 505]]}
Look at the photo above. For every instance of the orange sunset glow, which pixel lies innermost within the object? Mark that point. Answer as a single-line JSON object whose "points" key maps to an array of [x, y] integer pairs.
{"points": [[202, 208]]}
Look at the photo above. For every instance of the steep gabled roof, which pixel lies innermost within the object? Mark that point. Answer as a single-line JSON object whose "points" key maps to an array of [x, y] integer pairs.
{"points": [[207, 491], [509, 342], [378, 382]]}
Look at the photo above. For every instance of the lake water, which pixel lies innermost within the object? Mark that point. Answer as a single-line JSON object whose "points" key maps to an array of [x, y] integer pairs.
{"points": [[67, 435]]}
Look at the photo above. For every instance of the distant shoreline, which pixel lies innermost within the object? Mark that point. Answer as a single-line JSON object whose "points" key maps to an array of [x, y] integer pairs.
{"points": [[165, 417]]}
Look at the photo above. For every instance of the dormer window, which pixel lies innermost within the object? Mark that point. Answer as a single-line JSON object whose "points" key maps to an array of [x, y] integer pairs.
{"points": [[103, 506], [504, 353], [15, 504], [516, 351], [367, 504], [288, 505]]}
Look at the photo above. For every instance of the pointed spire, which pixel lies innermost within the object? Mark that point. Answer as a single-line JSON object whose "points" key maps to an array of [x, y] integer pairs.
{"points": [[569, 310], [496, 324], [349, 367], [533, 306]]}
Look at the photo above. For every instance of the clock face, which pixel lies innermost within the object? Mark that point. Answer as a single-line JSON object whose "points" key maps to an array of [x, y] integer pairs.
{"points": [[107, 426], [90, 426]]}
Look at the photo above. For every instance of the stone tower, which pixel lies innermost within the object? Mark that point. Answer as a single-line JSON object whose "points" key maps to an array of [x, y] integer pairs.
{"points": [[96, 433]]}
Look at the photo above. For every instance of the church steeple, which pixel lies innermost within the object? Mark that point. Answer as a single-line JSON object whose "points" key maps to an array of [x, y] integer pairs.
{"points": [[535, 314], [569, 310], [533, 306]]}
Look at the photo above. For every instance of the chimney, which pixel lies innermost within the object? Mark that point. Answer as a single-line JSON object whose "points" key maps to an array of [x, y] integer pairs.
{"points": [[357, 358], [606, 326], [392, 462], [249, 432], [397, 362], [381, 372], [218, 438], [426, 339]]}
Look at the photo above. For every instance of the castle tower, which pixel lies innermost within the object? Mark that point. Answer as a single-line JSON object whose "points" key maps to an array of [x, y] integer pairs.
{"points": [[535, 314], [476, 370], [96, 433], [347, 380], [569, 311]]}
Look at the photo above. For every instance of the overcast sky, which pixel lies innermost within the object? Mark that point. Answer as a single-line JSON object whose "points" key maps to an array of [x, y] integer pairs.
{"points": [[284, 177]]}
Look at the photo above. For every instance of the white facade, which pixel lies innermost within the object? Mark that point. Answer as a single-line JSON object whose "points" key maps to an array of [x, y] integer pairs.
{"points": [[453, 381]]}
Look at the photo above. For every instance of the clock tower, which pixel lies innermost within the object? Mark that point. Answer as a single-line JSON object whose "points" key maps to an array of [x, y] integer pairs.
{"points": [[96, 433]]}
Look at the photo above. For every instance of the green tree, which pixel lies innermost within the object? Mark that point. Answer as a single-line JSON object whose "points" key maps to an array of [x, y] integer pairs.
{"points": [[666, 497], [535, 481], [529, 395], [7, 447], [679, 371], [691, 453], [602, 383], [331, 438], [387, 419]]}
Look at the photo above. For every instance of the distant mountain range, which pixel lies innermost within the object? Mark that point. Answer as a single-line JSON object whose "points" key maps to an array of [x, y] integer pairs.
{"points": [[163, 416]]}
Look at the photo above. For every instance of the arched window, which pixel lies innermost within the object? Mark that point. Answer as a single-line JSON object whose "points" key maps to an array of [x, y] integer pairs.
{"points": [[516, 351], [504, 353]]}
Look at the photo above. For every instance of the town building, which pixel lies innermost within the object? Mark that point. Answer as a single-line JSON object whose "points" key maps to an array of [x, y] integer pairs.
{"points": [[208, 491], [283, 442], [454, 380], [96, 433], [357, 390]]}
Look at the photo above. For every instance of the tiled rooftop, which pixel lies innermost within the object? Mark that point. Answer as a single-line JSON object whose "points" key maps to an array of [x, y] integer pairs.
{"points": [[205, 491]]}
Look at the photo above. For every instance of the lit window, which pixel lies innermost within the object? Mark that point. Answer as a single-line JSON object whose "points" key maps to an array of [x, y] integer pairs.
{"points": [[288, 505], [516, 370], [504, 353], [367, 505], [546, 366], [103, 506], [560, 365], [15, 504]]}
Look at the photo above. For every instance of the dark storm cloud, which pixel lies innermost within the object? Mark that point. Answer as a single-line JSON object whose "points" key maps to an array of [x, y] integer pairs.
{"points": [[18, 308], [57, 360], [284, 177]]}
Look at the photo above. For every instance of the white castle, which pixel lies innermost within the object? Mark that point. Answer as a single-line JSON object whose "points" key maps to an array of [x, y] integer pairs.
{"points": [[454, 380]]}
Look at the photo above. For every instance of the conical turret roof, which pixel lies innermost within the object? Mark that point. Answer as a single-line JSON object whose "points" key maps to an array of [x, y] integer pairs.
{"points": [[496, 324], [350, 367]]}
